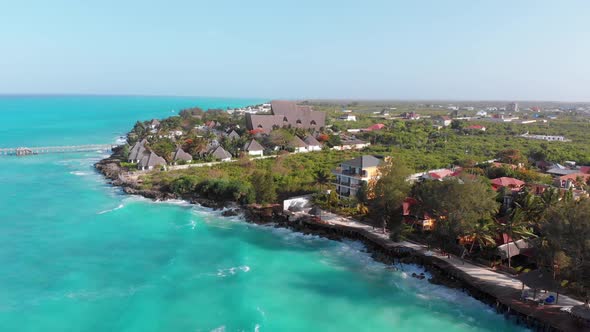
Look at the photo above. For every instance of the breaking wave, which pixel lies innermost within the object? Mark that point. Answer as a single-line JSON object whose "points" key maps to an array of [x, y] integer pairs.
{"points": [[120, 206]]}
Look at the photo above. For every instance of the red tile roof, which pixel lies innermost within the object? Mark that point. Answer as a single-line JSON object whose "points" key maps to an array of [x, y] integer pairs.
{"points": [[477, 127], [507, 182], [377, 126]]}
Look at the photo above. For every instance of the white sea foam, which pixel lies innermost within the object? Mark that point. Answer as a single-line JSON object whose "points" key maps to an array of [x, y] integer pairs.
{"points": [[178, 202], [232, 271], [120, 206], [219, 329], [120, 140], [80, 173]]}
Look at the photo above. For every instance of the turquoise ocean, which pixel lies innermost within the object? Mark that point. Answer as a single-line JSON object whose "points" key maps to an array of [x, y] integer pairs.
{"points": [[78, 255]]}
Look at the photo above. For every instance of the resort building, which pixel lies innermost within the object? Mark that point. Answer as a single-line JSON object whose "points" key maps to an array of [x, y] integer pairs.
{"points": [[347, 117], [150, 160], [233, 135], [136, 152], [286, 114], [181, 155], [220, 154], [351, 144], [154, 124], [312, 143], [353, 173], [297, 145], [253, 148], [546, 138]]}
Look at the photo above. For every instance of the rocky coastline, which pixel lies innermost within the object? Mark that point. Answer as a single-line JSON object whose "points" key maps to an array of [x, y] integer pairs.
{"points": [[441, 273]]}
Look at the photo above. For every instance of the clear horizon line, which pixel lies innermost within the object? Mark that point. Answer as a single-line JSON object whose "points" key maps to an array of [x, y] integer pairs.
{"points": [[26, 94]]}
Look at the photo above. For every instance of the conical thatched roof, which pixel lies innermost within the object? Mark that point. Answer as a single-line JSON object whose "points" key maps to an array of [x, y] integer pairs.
{"points": [[220, 153], [150, 159], [253, 145], [180, 154]]}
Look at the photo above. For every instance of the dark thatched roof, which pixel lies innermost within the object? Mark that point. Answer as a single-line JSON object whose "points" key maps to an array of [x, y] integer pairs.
{"points": [[221, 154], [540, 279], [311, 141], [296, 142], [180, 154], [253, 145], [286, 113]]}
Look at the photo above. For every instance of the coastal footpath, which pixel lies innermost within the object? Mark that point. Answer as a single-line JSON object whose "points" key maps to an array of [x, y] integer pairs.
{"points": [[501, 291]]}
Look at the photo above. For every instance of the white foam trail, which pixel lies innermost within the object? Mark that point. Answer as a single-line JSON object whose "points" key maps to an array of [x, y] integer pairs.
{"points": [[232, 271], [80, 173], [219, 329], [120, 206]]}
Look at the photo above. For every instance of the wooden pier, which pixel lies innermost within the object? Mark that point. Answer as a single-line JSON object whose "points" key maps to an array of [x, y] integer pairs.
{"points": [[27, 151]]}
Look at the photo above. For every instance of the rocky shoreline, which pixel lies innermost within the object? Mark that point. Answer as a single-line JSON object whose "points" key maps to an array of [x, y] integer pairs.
{"points": [[442, 274]]}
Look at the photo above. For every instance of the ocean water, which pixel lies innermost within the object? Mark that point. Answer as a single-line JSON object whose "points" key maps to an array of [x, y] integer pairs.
{"points": [[78, 255]]}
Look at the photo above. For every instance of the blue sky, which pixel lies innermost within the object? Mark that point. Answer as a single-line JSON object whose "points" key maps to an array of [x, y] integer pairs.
{"points": [[422, 49]]}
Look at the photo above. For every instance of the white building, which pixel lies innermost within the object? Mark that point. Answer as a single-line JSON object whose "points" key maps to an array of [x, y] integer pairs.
{"points": [[347, 117], [351, 144], [546, 138], [253, 148]]}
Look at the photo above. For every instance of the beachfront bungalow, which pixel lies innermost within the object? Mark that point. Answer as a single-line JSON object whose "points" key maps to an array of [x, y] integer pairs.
{"points": [[220, 154], [181, 156], [297, 145], [233, 135], [137, 151], [353, 173], [312, 143], [150, 160], [154, 124], [253, 148]]}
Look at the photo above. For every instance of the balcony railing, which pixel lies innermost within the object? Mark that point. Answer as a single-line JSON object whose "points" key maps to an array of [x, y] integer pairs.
{"points": [[346, 184], [348, 172]]}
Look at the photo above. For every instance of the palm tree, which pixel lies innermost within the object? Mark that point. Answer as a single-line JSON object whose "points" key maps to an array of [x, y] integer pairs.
{"points": [[322, 177], [483, 233], [517, 226]]}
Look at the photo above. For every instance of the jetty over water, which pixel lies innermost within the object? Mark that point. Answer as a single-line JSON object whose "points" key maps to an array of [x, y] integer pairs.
{"points": [[26, 151]]}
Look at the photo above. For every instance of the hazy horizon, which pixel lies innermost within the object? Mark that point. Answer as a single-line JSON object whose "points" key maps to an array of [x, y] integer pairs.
{"points": [[382, 50]]}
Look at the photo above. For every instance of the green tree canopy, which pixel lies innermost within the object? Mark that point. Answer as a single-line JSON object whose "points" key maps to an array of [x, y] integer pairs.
{"points": [[389, 193]]}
